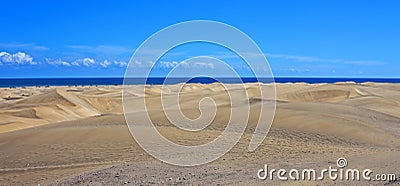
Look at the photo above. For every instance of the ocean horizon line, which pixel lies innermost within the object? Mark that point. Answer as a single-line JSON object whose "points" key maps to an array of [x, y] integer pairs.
{"points": [[29, 82], [118, 77]]}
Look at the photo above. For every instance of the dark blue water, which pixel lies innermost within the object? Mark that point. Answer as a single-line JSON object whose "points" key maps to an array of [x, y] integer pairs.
{"points": [[205, 80]]}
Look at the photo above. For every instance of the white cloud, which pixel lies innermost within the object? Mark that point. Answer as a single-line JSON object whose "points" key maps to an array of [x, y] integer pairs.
{"points": [[23, 58], [75, 63], [88, 61], [172, 64], [297, 70], [58, 62], [85, 62], [185, 64], [23, 45], [20, 58], [204, 65], [167, 64], [121, 63], [105, 63], [164, 64], [17, 58], [142, 64]]}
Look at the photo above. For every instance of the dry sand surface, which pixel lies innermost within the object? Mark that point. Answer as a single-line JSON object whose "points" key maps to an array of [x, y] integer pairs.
{"points": [[78, 135]]}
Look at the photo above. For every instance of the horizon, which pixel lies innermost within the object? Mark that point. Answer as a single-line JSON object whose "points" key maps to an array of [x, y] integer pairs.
{"points": [[104, 81], [179, 77], [314, 39]]}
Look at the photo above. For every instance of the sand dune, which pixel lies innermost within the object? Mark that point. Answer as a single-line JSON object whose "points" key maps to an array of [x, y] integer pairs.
{"points": [[57, 133], [52, 105]]}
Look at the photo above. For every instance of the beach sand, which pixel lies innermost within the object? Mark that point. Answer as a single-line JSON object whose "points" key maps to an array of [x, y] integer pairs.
{"points": [[78, 135]]}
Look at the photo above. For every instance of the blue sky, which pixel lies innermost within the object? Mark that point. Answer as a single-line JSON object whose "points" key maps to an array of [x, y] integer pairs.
{"points": [[339, 38]]}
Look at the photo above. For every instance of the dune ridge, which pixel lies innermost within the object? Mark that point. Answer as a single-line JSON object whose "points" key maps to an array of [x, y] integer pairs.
{"points": [[65, 134]]}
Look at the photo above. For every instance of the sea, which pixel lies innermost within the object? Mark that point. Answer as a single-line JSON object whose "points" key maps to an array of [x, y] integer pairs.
{"points": [[27, 82]]}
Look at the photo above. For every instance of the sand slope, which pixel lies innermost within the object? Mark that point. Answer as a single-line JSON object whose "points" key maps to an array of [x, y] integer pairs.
{"points": [[57, 133], [51, 105]]}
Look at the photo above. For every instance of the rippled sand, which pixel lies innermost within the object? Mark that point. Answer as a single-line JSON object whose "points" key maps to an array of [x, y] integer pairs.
{"points": [[78, 135]]}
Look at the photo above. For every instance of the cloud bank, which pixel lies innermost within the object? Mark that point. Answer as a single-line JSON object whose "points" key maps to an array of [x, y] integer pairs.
{"points": [[17, 58]]}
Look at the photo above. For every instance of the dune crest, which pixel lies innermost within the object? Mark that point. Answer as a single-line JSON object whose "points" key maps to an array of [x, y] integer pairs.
{"points": [[355, 110], [55, 104], [48, 134]]}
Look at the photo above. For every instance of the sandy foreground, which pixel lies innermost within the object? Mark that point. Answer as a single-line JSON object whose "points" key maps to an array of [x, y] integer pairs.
{"points": [[78, 135]]}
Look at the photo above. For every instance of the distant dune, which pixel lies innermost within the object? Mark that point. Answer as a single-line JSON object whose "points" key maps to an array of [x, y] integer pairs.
{"points": [[78, 135]]}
